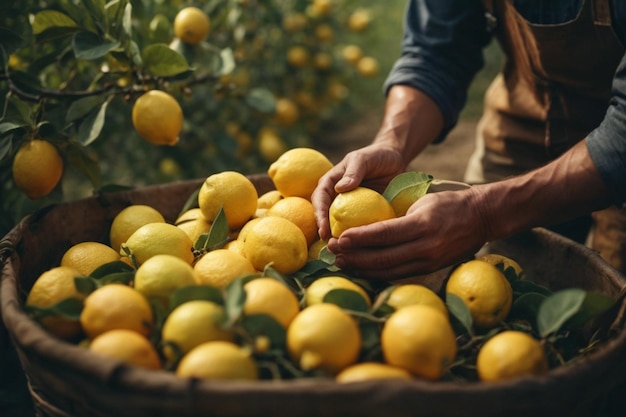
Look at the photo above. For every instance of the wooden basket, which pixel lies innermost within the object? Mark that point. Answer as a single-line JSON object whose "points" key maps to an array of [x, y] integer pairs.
{"points": [[66, 380]]}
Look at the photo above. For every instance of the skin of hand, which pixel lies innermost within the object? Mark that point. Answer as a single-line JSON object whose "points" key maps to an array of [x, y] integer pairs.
{"points": [[411, 121], [444, 228]]}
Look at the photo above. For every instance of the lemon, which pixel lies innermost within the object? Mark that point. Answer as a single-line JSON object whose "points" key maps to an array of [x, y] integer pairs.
{"points": [[324, 33], [116, 306], [271, 146], [268, 199], [294, 22], [405, 199], [315, 249], [277, 241], [324, 337], [231, 191], [419, 339], [218, 360], [191, 324], [410, 294], [298, 56], [323, 61], [317, 290], [352, 53], [161, 275], [220, 267], [300, 212], [359, 20], [191, 25], [85, 257], [358, 207], [236, 246], [158, 118], [50, 288], [321, 7], [368, 66], [193, 223], [243, 232], [510, 354], [128, 346], [366, 371], [159, 238], [297, 171], [484, 289], [287, 112], [502, 262], [130, 219], [37, 168], [271, 297]]}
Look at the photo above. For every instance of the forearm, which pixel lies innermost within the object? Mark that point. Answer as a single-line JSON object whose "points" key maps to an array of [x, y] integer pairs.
{"points": [[564, 189], [411, 121]]}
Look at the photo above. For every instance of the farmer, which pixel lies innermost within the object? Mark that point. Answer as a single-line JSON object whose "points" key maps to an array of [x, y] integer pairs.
{"points": [[551, 144]]}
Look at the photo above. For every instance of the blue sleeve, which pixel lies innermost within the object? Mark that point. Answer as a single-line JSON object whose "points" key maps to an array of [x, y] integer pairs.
{"points": [[607, 143], [441, 52]]}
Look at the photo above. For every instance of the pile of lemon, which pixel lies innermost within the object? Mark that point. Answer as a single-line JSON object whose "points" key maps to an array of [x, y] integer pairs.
{"points": [[235, 288]]}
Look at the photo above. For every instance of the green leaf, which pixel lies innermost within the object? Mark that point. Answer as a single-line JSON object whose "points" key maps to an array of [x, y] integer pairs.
{"points": [[70, 308], [91, 127], [160, 29], [77, 156], [162, 61], [121, 277], [410, 186], [370, 336], [458, 309], [327, 256], [86, 285], [95, 8], [265, 325], [52, 19], [88, 45], [558, 308], [594, 305], [10, 41], [347, 299], [9, 126], [526, 307], [218, 234], [261, 99], [82, 107], [111, 268], [234, 301], [6, 145], [195, 292], [523, 286]]}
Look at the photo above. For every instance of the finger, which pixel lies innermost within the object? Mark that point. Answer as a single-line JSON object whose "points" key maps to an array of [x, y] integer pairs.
{"points": [[383, 233]]}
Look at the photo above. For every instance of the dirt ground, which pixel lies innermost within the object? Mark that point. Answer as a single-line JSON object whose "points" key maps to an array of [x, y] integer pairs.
{"points": [[446, 160]]}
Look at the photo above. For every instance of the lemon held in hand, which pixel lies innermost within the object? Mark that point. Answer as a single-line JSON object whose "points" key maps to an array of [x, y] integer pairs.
{"points": [[358, 207], [158, 118], [37, 168]]}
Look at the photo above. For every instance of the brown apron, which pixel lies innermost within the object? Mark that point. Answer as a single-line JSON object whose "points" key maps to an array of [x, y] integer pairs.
{"points": [[553, 90]]}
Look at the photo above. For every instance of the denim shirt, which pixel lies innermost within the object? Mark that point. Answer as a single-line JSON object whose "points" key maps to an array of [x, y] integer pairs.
{"points": [[442, 50]]}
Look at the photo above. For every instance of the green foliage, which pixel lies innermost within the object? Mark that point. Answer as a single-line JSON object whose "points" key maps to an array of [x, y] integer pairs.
{"points": [[71, 70]]}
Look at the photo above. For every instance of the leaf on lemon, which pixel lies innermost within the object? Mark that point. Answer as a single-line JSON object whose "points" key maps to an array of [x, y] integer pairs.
{"points": [[405, 189]]}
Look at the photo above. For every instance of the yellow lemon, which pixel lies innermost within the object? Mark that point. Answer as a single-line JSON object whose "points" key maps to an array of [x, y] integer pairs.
{"points": [[116, 306], [485, 291], [277, 241], [352, 53], [271, 297], [85, 257], [191, 25], [128, 346], [50, 288], [161, 275], [419, 339], [366, 371], [218, 360], [410, 294], [510, 354], [315, 249], [359, 20], [191, 324], [298, 56], [269, 198], [235, 245], [37, 168], [193, 223], [300, 212], [323, 61], [368, 66], [220, 267], [130, 219], [294, 22], [158, 118], [287, 112], [502, 262], [325, 337], [271, 146], [358, 207], [297, 171], [159, 238], [231, 191], [321, 7], [324, 32], [317, 290]]}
